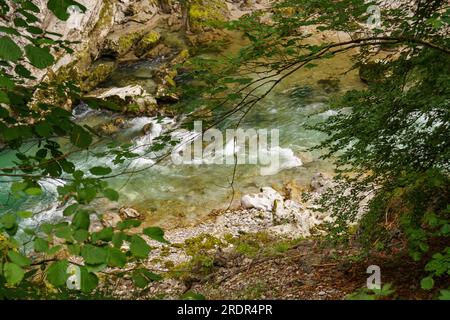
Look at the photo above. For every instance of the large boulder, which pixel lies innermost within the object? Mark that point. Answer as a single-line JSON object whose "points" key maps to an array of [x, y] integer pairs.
{"points": [[265, 200], [121, 41], [132, 99]]}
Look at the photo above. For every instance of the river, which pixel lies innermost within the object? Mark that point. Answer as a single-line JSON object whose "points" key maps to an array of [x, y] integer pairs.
{"points": [[178, 195]]}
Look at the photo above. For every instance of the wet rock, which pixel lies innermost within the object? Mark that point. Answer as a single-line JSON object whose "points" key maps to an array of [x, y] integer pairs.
{"points": [[108, 129], [96, 224], [112, 127], [111, 219], [120, 122], [149, 41], [133, 99], [147, 128], [207, 40], [98, 73], [160, 50], [121, 40], [129, 213]]}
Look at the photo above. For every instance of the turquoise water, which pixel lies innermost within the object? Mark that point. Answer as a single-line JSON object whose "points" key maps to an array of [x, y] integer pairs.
{"points": [[175, 195]]}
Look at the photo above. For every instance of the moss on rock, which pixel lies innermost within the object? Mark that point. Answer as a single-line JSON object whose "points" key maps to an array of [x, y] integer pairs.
{"points": [[120, 44], [204, 13], [148, 42], [98, 73]]}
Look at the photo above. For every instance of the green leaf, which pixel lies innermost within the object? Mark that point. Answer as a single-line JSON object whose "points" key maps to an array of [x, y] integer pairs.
{"points": [[30, 232], [93, 254], [100, 171], [18, 259], [13, 273], [81, 235], [47, 228], [40, 245], [103, 235], [57, 273], [9, 30], [142, 277], [81, 220], [427, 283], [70, 210], [139, 280], [128, 224], [59, 8], [24, 214], [118, 239], [64, 232], [9, 50], [89, 281], [8, 220], [74, 249], [17, 187], [96, 267], [4, 99], [80, 137], [155, 233], [116, 258], [30, 6], [19, 22], [44, 129], [190, 295], [111, 194], [444, 295], [22, 71], [86, 195], [6, 82], [41, 58], [138, 247], [151, 276], [54, 250], [35, 191]]}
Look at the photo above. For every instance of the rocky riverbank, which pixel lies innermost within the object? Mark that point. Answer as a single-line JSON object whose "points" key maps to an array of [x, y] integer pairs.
{"points": [[268, 222]]}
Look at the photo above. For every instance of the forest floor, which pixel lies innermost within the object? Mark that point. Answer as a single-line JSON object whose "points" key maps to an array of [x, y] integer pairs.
{"points": [[311, 272], [304, 271]]}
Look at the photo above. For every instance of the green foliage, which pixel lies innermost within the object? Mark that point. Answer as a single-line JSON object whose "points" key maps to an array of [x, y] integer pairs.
{"points": [[59, 7], [28, 117], [372, 294], [191, 295], [155, 233], [57, 273], [9, 51], [39, 57]]}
